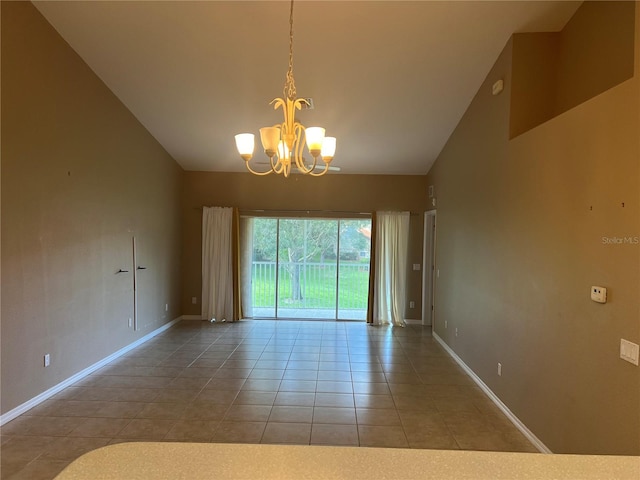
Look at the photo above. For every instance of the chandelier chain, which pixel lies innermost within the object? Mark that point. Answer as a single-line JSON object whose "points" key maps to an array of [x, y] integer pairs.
{"points": [[290, 84]]}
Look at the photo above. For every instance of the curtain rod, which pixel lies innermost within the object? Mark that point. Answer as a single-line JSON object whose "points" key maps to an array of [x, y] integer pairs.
{"points": [[250, 210], [301, 211]]}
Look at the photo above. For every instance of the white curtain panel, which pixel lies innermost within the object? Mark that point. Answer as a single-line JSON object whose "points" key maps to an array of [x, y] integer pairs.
{"points": [[217, 272], [392, 241]]}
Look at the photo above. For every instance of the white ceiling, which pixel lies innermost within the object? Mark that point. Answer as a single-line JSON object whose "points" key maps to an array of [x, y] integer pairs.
{"points": [[389, 79]]}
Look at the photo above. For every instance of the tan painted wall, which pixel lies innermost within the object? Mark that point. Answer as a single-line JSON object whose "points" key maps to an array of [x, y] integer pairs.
{"points": [[80, 178], [520, 242], [337, 193]]}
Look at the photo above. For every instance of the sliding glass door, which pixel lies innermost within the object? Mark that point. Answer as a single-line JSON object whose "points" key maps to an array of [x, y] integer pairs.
{"points": [[309, 268]]}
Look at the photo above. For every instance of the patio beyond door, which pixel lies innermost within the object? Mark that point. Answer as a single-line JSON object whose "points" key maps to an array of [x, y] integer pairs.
{"points": [[309, 268]]}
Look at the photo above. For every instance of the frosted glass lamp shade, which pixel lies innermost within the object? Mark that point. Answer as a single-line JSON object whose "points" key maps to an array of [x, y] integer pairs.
{"points": [[270, 136], [328, 148], [315, 136], [245, 142]]}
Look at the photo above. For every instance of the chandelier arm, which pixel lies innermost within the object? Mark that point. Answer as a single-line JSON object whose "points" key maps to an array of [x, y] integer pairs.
{"points": [[319, 174], [277, 167], [257, 173]]}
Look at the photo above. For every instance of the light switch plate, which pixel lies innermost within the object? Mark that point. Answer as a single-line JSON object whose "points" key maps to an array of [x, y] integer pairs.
{"points": [[599, 294], [629, 351]]}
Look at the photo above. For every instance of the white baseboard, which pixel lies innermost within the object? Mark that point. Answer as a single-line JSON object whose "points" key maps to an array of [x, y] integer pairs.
{"points": [[542, 448], [28, 405]]}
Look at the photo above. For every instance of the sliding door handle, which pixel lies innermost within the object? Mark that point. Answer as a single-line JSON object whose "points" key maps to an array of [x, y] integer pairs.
{"points": [[122, 271], [141, 268]]}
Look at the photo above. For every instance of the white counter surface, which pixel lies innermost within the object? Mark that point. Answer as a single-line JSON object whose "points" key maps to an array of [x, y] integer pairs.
{"points": [[193, 461]]}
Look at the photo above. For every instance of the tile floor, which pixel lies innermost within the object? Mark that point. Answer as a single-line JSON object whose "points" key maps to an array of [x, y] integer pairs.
{"points": [[263, 381]]}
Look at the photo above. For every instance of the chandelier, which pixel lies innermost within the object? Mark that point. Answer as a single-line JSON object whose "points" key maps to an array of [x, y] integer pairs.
{"points": [[284, 143]]}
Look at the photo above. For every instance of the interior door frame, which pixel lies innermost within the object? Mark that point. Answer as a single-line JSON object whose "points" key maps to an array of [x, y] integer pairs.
{"points": [[428, 272]]}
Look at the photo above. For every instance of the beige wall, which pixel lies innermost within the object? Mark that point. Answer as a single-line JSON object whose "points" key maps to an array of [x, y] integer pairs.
{"points": [[80, 178], [331, 193], [557, 71], [520, 242]]}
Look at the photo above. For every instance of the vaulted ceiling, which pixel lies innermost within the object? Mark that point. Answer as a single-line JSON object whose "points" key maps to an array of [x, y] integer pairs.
{"points": [[389, 79]]}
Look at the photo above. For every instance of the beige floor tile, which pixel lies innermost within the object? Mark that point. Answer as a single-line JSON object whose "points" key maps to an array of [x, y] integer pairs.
{"points": [[414, 403], [374, 401], [368, 377], [204, 410], [225, 384], [334, 400], [328, 434], [382, 436], [297, 386], [455, 404], [42, 426], [251, 397], [201, 372], [152, 429], [489, 441], [367, 388], [294, 374], [266, 374], [261, 385], [377, 416], [329, 386], [162, 410], [334, 415], [287, 433], [232, 373], [176, 395], [302, 365], [189, 382], [334, 376], [295, 399], [248, 413], [192, 431], [291, 414], [119, 409], [76, 408], [468, 423], [218, 397], [70, 448], [22, 450], [40, 469], [100, 427]]}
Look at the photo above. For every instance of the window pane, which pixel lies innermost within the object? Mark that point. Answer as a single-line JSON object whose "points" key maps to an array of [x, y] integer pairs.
{"points": [[263, 276], [307, 268], [354, 260]]}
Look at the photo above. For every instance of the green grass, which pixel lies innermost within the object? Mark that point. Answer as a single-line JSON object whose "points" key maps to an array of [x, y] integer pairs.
{"points": [[318, 287]]}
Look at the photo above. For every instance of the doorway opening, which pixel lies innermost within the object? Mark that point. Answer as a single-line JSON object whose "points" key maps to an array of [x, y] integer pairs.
{"points": [[306, 268]]}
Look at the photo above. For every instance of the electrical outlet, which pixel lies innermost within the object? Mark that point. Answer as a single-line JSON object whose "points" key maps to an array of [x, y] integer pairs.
{"points": [[166, 307], [416, 266], [130, 322], [47, 360], [194, 300], [445, 324], [499, 369], [412, 304], [456, 331]]}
